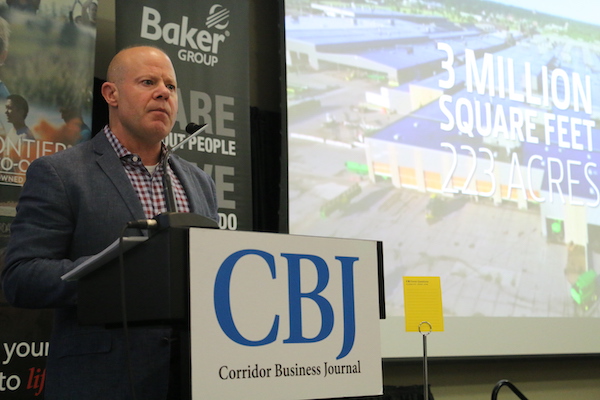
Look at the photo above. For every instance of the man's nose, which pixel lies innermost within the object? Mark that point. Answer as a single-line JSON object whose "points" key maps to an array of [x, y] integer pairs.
{"points": [[163, 91]]}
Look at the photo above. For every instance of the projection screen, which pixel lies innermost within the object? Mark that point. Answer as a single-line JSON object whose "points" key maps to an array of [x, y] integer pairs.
{"points": [[464, 135]]}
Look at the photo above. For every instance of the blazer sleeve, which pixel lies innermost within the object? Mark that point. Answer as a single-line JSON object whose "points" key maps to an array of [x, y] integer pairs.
{"points": [[36, 255]]}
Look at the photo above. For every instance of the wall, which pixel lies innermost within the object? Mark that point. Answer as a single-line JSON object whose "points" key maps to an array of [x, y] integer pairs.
{"points": [[543, 378]]}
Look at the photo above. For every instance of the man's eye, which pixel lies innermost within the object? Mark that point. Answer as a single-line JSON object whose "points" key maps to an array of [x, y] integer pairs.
{"points": [[171, 87]]}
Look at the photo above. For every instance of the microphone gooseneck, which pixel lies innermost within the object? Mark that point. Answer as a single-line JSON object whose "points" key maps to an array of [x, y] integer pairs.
{"points": [[193, 130], [167, 184]]}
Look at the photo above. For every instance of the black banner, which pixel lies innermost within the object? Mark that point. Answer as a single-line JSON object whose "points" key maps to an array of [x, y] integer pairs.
{"points": [[208, 44]]}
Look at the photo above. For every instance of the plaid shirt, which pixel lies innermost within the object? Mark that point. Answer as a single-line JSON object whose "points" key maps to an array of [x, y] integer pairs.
{"points": [[148, 187]]}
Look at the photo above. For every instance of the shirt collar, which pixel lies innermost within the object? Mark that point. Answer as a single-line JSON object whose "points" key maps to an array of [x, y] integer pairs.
{"points": [[122, 150]]}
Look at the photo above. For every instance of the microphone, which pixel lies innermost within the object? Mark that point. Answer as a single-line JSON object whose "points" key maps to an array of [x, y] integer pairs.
{"points": [[193, 129]]}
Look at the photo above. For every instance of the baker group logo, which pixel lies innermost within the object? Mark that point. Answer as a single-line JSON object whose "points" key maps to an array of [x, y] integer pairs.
{"points": [[218, 17], [200, 46]]}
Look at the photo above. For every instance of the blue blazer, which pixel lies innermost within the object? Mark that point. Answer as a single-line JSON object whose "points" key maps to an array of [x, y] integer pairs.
{"points": [[73, 204]]}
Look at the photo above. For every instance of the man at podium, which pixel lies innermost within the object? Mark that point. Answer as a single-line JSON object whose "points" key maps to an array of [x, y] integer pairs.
{"points": [[75, 203]]}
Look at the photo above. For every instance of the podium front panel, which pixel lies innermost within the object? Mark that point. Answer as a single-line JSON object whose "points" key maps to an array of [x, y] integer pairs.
{"points": [[278, 316], [155, 284]]}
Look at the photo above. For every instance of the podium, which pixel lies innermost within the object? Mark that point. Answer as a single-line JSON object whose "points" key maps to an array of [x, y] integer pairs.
{"points": [[156, 284], [272, 316]]}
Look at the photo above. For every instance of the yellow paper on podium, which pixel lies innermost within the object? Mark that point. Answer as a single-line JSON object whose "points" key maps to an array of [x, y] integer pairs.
{"points": [[423, 303]]}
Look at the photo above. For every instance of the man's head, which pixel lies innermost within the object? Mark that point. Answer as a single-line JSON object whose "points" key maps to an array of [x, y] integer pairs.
{"points": [[17, 109], [141, 92], [69, 112]]}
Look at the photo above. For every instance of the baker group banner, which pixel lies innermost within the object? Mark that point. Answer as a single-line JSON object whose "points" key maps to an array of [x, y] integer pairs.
{"points": [[208, 43], [46, 72]]}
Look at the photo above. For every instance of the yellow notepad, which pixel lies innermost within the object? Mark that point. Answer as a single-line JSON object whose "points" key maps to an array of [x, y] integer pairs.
{"points": [[423, 303]]}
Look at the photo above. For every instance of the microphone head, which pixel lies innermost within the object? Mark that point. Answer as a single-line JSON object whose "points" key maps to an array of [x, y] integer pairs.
{"points": [[192, 127]]}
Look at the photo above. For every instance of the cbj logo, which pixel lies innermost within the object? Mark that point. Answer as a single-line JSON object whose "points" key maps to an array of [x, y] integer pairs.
{"points": [[296, 297], [199, 46]]}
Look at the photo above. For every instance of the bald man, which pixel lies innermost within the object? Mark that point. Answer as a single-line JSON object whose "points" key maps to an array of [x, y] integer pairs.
{"points": [[75, 203]]}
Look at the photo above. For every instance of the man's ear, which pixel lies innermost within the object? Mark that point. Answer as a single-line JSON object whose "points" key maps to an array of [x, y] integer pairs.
{"points": [[110, 93]]}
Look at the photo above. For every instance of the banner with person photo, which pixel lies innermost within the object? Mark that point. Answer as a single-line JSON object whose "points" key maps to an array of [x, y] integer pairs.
{"points": [[208, 43], [46, 84]]}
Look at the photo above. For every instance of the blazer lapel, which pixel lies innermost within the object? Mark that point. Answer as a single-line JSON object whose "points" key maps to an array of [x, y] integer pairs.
{"points": [[184, 177], [111, 165]]}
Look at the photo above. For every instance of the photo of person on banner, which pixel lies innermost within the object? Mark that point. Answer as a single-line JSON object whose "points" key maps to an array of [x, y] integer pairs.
{"points": [[47, 60], [16, 112], [66, 214]]}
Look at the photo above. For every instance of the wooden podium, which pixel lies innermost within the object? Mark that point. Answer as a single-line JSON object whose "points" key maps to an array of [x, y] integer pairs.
{"points": [[225, 290]]}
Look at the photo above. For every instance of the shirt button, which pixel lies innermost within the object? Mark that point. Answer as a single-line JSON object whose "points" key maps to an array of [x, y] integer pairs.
{"points": [[135, 158]]}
